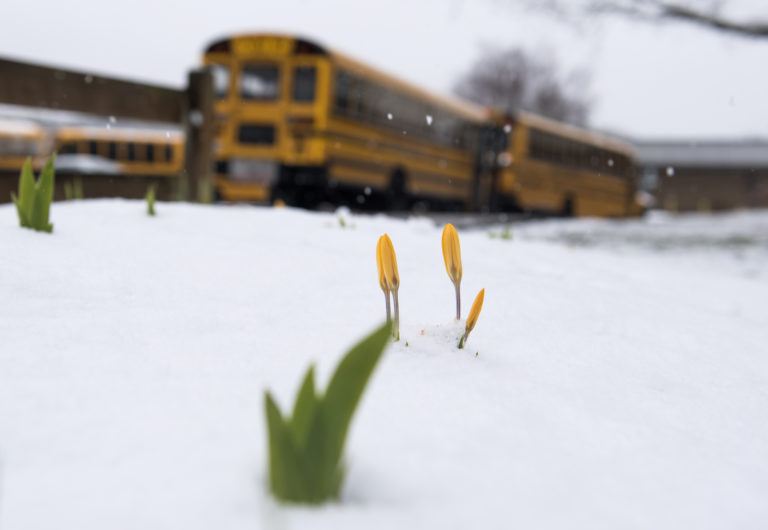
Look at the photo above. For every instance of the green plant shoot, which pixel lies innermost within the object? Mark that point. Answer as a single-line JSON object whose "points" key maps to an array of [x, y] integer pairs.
{"points": [[150, 197], [73, 190], [33, 204], [305, 449]]}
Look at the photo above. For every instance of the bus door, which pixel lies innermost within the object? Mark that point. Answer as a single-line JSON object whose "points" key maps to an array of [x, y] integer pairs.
{"points": [[257, 122], [308, 80], [490, 143]]}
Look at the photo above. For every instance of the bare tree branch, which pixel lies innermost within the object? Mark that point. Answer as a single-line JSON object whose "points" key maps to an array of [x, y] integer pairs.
{"points": [[746, 29], [653, 11]]}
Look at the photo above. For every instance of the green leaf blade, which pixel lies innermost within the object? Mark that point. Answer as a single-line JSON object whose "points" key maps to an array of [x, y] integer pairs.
{"points": [[150, 198], [23, 219], [43, 195], [305, 408], [26, 189], [315, 465], [347, 385], [285, 473]]}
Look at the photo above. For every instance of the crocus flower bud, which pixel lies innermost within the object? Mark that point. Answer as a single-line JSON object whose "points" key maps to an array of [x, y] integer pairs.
{"points": [[389, 264], [474, 312], [382, 277], [452, 257]]}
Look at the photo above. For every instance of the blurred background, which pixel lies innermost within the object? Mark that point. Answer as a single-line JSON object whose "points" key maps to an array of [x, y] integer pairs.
{"points": [[681, 81]]}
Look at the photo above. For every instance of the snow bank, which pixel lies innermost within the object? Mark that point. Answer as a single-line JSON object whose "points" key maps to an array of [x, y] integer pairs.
{"points": [[605, 385]]}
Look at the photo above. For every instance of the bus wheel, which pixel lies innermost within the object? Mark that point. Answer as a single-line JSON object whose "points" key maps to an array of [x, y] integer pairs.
{"points": [[398, 199], [506, 204]]}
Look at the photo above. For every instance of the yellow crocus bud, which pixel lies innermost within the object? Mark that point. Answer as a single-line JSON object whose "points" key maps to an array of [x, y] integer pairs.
{"points": [[389, 264], [389, 260], [382, 277], [452, 257], [474, 312]]}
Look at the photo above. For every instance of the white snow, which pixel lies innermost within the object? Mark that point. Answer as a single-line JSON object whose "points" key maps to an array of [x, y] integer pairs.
{"points": [[616, 377], [20, 128]]}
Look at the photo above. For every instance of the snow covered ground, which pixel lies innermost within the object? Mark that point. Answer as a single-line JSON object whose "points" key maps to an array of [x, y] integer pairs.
{"points": [[617, 376]]}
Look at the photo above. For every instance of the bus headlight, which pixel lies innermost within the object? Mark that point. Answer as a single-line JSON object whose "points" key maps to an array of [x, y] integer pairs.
{"points": [[504, 159]]}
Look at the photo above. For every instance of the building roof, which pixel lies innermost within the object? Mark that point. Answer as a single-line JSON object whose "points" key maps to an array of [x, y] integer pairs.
{"points": [[748, 153]]}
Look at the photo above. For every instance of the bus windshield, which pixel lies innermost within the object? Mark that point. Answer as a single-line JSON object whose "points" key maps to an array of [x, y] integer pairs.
{"points": [[259, 83]]}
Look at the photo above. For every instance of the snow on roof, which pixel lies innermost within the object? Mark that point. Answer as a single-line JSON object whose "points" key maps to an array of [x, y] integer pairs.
{"points": [[19, 128], [749, 153], [58, 118], [87, 164], [120, 133]]}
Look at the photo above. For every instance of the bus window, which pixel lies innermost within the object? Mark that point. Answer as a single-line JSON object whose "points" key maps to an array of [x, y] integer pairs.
{"points": [[112, 151], [363, 101], [168, 153], [131, 151], [356, 95], [69, 148], [304, 83], [259, 82], [342, 91], [220, 80], [93, 148], [150, 152], [256, 134]]}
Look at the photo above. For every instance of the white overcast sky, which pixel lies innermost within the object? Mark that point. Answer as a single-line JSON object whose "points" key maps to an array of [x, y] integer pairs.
{"points": [[671, 80]]}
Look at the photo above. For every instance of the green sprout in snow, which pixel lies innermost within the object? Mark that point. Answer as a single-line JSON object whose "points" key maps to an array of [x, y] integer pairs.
{"points": [[305, 449], [73, 191], [33, 203], [150, 197], [506, 234]]}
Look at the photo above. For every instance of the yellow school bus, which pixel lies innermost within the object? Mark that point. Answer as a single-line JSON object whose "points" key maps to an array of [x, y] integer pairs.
{"points": [[306, 124], [125, 150], [552, 167], [20, 140]]}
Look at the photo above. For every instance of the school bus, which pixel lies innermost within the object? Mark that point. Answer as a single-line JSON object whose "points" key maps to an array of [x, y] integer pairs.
{"points": [[20, 140], [124, 150], [548, 166], [303, 123]]}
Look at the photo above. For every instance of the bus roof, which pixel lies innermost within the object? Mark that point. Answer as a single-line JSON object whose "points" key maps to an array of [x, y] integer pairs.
{"points": [[573, 132], [466, 110], [20, 128]]}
